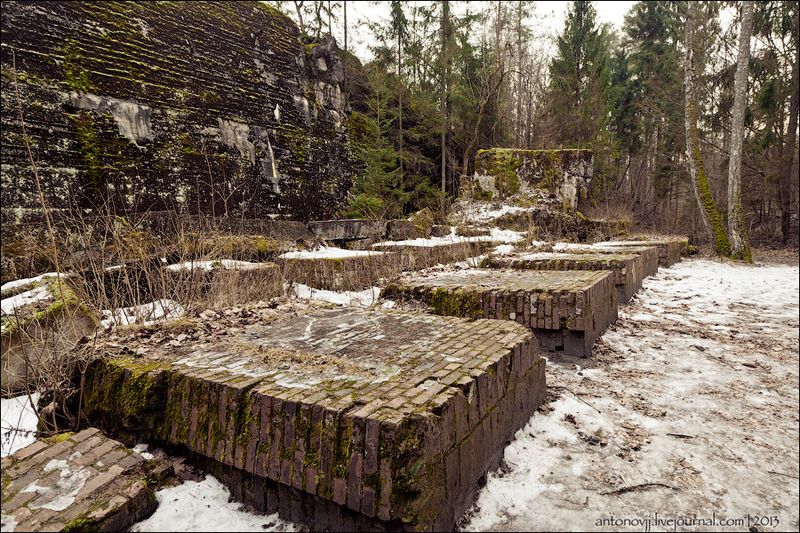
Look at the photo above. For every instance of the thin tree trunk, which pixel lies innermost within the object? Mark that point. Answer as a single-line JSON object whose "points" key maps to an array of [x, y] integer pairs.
{"points": [[400, 101], [344, 5], [518, 128], [784, 189], [445, 24], [740, 247], [709, 214], [297, 6]]}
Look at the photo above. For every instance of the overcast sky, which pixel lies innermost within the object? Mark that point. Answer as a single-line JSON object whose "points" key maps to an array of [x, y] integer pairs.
{"points": [[548, 17]]}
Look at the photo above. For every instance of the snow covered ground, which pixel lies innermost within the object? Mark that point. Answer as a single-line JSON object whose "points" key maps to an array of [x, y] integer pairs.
{"points": [[688, 408], [18, 423], [204, 506], [146, 314], [364, 298], [495, 235], [329, 253]]}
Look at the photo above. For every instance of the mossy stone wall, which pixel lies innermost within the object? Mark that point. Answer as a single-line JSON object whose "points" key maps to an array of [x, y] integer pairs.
{"points": [[211, 107], [564, 174]]}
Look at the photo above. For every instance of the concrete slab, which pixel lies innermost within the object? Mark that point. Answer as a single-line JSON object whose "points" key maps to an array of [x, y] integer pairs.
{"points": [[417, 254], [347, 229], [628, 268], [649, 253], [78, 482], [342, 418], [346, 270], [567, 310], [670, 248]]}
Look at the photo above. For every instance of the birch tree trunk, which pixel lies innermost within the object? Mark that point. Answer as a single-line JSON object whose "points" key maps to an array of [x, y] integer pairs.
{"points": [[740, 247], [709, 214]]}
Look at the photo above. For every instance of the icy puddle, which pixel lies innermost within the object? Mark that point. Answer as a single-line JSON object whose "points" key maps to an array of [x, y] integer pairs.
{"points": [[690, 411]]}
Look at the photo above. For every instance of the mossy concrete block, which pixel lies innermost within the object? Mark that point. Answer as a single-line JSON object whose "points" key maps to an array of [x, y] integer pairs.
{"points": [[425, 254], [423, 221], [79, 482], [40, 334], [401, 230], [628, 268], [503, 172], [360, 270], [375, 419], [670, 248], [567, 310]]}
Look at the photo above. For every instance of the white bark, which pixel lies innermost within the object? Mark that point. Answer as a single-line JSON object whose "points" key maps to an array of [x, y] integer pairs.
{"points": [[736, 229]]}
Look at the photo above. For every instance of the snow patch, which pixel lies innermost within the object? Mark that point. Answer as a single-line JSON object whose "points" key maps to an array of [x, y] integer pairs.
{"points": [[62, 495], [26, 281], [363, 298], [145, 314], [18, 423], [37, 294], [206, 506], [329, 253], [228, 264], [141, 449]]}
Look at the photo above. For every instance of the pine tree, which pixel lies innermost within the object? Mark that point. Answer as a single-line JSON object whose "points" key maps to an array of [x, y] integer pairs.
{"points": [[578, 76]]}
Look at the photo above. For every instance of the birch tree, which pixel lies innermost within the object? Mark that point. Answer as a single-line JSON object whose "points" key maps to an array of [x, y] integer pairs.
{"points": [[709, 214], [740, 247]]}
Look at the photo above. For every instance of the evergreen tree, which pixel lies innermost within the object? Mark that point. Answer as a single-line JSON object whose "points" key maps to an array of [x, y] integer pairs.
{"points": [[579, 76]]}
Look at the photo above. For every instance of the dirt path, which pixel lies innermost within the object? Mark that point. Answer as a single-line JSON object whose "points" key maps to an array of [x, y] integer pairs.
{"points": [[688, 409]]}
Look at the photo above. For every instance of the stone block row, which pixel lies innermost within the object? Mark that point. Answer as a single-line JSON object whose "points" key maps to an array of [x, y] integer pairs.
{"points": [[567, 310], [390, 415], [628, 268]]}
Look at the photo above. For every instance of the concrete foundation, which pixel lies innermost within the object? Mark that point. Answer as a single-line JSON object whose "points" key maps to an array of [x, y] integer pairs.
{"points": [[628, 268], [338, 418], [425, 253], [670, 249], [350, 270], [566, 310], [648, 253]]}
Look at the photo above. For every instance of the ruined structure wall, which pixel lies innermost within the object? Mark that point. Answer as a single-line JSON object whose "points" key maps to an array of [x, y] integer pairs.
{"points": [[154, 105], [564, 175]]}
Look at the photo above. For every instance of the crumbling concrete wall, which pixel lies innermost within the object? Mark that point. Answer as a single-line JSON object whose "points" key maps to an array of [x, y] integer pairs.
{"points": [[561, 175], [211, 107]]}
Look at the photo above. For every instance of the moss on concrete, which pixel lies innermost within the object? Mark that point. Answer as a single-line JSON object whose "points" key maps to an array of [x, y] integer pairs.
{"points": [[455, 303]]}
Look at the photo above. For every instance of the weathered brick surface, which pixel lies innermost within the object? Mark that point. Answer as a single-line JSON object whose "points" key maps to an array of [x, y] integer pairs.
{"points": [[341, 273], [86, 482], [649, 253], [567, 310], [670, 248], [393, 417], [628, 268], [419, 256]]}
